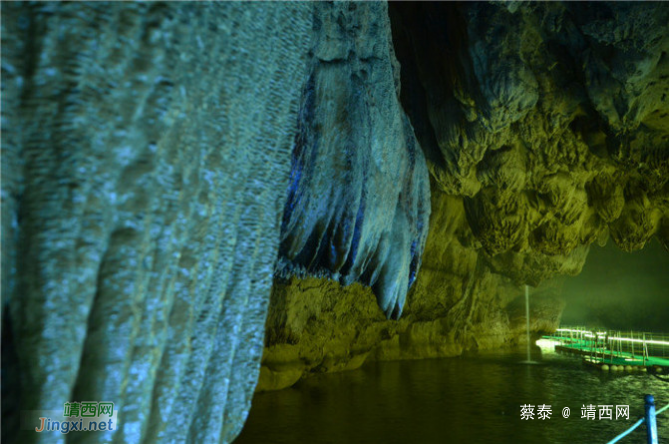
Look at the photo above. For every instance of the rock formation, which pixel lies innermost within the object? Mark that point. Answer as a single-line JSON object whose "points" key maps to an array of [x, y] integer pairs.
{"points": [[146, 152], [163, 164], [148, 168], [549, 119], [457, 303], [512, 107], [358, 205]]}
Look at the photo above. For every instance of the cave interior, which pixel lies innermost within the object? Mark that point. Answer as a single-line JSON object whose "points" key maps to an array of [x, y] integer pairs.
{"points": [[203, 202]]}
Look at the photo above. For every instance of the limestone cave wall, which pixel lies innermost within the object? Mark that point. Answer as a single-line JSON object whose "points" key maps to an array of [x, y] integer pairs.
{"points": [[458, 303], [188, 187], [146, 152], [358, 201], [549, 119], [545, 128]]}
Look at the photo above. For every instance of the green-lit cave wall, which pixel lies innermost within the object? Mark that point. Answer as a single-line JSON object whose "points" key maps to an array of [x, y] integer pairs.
{"points": [[202, 200]]}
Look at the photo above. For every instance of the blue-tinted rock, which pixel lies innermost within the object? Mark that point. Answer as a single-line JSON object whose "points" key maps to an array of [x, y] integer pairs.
{"points": [[358, 203], [148, 150]]}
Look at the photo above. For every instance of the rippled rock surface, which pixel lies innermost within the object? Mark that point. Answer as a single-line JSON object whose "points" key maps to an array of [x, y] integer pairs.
{"points": [[155, 157], [146, 152]]}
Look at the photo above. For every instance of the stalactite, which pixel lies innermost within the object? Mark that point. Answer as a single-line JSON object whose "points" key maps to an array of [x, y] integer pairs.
{"points": [[358, 199]]}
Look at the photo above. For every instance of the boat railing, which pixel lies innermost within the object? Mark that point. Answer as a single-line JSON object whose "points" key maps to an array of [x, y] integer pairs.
{"points": [[650, 420]]}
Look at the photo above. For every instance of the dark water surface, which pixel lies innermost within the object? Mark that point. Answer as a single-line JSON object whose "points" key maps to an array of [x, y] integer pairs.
{"points": [[471, 399]]}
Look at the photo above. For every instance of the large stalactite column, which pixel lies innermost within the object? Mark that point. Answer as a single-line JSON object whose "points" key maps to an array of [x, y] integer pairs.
{"points": [[358, 206], [146, 151]]}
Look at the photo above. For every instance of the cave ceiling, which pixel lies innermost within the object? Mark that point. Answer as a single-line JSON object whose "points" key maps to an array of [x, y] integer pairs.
{"points": [[550, 119]]}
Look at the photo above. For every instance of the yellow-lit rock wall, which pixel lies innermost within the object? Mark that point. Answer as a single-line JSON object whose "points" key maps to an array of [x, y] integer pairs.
{"points": [[457, 303]]}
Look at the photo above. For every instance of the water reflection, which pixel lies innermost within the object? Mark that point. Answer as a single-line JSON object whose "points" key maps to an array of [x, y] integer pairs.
{"points": [[468, 399]]}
